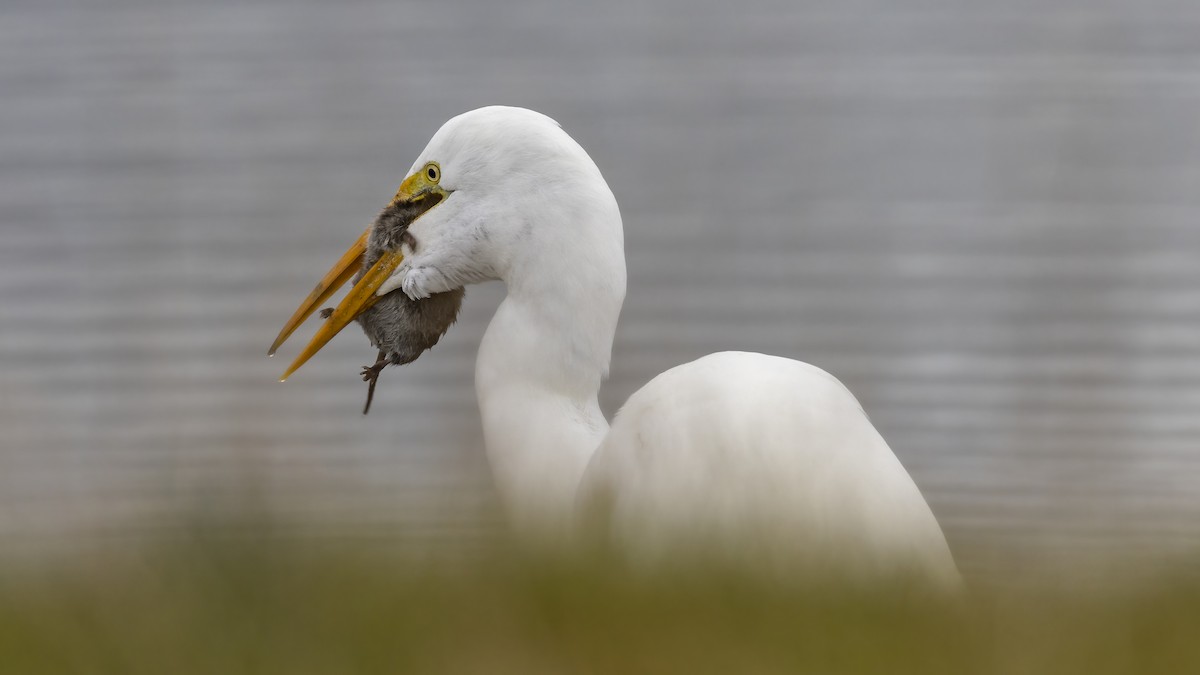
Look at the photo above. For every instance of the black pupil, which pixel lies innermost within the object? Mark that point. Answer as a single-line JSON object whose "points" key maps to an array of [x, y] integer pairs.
{"points": [[432, 173]]}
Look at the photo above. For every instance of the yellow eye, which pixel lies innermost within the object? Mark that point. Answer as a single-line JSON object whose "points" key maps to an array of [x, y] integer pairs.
{"points": [[433, 172]]}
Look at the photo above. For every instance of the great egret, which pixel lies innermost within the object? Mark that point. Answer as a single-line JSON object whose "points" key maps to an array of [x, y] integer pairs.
{"points": [[765, 459]]}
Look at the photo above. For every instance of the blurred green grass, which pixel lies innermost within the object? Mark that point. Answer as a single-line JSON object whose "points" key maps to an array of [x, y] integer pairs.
{"points": [[259, 604]]}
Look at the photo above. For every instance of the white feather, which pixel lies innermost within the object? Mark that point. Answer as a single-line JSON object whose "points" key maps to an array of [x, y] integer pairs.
{"points": [[765, 460]]}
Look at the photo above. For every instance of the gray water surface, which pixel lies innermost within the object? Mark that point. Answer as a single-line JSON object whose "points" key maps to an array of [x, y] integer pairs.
{"points": [[983, 217]]}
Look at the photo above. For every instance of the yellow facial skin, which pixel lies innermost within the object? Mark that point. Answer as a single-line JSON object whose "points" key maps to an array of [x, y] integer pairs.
{"points": [[419, 183], [421, 190]]}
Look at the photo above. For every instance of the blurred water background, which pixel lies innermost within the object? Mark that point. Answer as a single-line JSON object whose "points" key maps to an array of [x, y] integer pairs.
{"points": [[983, 217]]}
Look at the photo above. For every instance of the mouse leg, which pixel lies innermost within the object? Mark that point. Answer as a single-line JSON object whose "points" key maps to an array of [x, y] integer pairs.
{"points": [[370, 375]]}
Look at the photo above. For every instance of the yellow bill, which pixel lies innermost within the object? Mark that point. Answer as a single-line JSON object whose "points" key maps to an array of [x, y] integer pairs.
{"points": [[417, 194], [350, 262], [358, 300]]}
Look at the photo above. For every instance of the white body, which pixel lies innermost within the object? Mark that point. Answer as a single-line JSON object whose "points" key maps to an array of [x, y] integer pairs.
{"points": [[764, 461], [769, 461]]}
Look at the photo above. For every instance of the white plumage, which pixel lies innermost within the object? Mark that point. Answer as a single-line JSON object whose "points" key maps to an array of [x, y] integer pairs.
{"points": [[771, 459], [765, 461]]}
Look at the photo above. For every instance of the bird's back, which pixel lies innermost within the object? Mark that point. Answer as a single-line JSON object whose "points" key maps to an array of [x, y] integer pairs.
{"points": [[764, 461]]}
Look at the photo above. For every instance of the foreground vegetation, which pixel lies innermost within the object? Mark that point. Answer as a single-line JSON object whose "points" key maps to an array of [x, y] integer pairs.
{"points": [[220, 606]]}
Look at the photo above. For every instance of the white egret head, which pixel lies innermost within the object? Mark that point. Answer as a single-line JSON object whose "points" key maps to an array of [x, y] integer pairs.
{"points": [[499, 193]]}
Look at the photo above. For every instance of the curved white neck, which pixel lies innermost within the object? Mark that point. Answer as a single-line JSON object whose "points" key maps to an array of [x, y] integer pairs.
{"points": [[541, 363]]}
